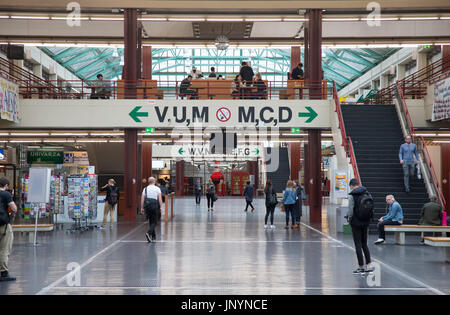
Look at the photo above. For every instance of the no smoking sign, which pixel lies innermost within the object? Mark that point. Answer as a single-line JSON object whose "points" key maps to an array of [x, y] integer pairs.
{"points": [[223, 114]]}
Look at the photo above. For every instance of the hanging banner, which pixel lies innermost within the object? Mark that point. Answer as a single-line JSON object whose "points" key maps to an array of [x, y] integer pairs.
{"points": [[441, 105], [9, 100], [340, 184]]}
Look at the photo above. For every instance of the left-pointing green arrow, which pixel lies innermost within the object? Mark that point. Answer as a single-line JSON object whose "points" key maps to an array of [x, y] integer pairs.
{"points": [[312, 114], [135, 114], [181, 151]]}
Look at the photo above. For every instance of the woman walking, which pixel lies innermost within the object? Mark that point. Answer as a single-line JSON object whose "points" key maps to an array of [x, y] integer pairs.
{"points": [[271, 202], [210, 192], [248, 193], [289, 197]]}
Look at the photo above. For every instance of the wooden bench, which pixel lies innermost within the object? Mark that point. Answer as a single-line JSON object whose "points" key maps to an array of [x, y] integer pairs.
{"points": [[29, 229], [400, 230], [440, 242]]}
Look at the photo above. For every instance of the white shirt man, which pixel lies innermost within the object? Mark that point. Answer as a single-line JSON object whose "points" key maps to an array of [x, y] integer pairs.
{"points": [[151, 204]]}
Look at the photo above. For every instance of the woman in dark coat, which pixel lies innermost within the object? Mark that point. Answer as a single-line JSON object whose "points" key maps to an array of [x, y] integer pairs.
{"points": [[248, 193], [270, 207]]}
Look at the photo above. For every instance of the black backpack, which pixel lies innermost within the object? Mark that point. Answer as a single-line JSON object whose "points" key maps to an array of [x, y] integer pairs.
{"points": [[364, 208], [113, 196]]}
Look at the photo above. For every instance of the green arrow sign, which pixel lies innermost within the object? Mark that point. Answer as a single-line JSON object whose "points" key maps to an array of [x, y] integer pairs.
{"points": [[181, 151], [256, 151], [295, 130], [135, 114], [312, 114], [150, 130]]}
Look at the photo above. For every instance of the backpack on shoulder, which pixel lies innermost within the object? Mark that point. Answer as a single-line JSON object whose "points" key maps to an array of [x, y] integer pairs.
{"points": [[364, 209], [113, 196]]}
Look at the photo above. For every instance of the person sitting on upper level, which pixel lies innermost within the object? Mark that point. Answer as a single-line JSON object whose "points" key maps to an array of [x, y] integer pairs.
{"points": [[185, 84], [196, 74], [297, 72]]}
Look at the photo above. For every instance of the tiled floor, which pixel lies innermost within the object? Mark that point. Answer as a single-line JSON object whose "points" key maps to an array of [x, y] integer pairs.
{"points": [[223, 252]]}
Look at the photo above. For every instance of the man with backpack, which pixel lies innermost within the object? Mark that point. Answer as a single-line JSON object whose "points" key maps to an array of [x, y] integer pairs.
{"points": [[360, 213], [6, 233], [112, 198]]}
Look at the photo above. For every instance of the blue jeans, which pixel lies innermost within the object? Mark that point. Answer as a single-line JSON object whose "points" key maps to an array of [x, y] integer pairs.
{"points": [[289, 209], [408, 171]]}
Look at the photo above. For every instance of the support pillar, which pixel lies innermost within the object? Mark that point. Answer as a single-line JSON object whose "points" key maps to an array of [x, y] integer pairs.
{"points": [[253, 170], [147, 62], [421, 60], [294, 151], [313, 47], [179, 178], [446, 54], [147, 160], [37, 70], [400, 72], [384, 82], [130, 174], [130, 135]]}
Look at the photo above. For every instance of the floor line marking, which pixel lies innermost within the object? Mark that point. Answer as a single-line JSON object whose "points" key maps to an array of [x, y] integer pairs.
{"points": [[211, 241], [393, 269], [237, 288], [91, 259]]}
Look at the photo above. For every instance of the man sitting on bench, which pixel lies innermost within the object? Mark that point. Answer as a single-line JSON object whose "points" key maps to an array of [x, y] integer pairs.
{"points": [[431, 214], [394, 217], [185, 84]]}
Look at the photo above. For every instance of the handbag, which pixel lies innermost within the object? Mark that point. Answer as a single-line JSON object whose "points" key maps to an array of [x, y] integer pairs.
{"points": [[273, 200], [215, 197]]}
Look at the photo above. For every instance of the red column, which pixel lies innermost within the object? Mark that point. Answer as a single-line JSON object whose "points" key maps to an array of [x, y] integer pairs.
{"points": [[445, 158], [146, 160], [295, 56], [446, 54], [253, 170], [294, 149], [147, 62], [313, 44], [179, 178], [130, 135]]}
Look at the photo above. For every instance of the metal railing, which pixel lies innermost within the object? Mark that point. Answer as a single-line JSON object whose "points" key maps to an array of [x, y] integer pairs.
{"points": [[346, 141], [429, 175], [152, 89], [415, 85]]}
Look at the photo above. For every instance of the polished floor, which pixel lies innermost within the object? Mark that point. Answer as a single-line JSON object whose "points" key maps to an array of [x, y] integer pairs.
{"points": [[223, 252]]}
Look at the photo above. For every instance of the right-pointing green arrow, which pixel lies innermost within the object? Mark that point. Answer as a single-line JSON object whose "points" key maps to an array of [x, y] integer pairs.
{"points": [[312, 114]]}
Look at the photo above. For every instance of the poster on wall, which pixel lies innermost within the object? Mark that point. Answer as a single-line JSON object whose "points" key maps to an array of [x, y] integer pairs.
{"points": [[441, 105], [340, 184], [9, 100]]}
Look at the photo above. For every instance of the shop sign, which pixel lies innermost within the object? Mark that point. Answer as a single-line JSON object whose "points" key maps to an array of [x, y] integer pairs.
{"points": [[341, 184], [9, 100], [76, 158], [45, 157]]}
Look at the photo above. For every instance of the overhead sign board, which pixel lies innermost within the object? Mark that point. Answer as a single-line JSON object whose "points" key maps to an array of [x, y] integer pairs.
{"points": [[175, 113], [45, 157]]}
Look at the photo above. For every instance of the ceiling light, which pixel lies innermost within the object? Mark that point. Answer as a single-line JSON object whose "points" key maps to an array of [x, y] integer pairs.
{"points": [[30, 17], [106, 134], [4, 133], [443, 134], [92, 140], [445, 18], [223, 20], [69, 134], [4, 17], [294, 20], [186, 19], [340, 19], [29, 134], [106, 19], [263, 20], [380, 19], [116, 141], [25, 141], [441, 141], [69, 18], [419, 18], [152, 19]]}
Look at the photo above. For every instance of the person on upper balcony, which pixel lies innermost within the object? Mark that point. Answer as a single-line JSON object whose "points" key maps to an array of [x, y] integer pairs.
{"points": [[406, 155], [247, 75], [297, 72], [212, 74], [184, 88], [196, 74], [102, 89]]}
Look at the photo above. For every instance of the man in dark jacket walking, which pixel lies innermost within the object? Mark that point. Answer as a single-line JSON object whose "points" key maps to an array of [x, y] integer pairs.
{"points": [[359, 226], [248, 193]]}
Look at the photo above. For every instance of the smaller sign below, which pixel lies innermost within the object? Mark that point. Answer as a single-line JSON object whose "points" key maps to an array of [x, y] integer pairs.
{"points": [[149, 130], [295, 130], [76, 158], [158, 164]]}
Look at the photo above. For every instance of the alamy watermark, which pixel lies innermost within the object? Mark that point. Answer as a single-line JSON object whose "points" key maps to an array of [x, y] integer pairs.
{"points": [[74, 17], [73, 278]]}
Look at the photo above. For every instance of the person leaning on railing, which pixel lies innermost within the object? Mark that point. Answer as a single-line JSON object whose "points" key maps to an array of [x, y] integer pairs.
{"points": [[101, 89]]}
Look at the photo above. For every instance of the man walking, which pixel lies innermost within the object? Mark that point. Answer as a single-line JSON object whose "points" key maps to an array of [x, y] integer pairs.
{"points": [[6, 233], [151, 202], [198, 192], [360, 213], [406, 155], [394, 217], [248, 193]]}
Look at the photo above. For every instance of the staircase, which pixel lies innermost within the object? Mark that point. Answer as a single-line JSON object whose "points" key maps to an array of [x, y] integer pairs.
{"points": [[280, 176], [376, 135]]}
